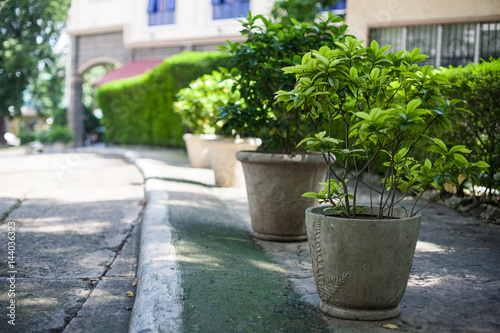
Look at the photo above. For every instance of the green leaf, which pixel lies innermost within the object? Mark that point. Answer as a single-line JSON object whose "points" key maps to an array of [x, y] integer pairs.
{"points": [[482, 164], [459, 149], [428, 163], [320, 135], [413, 104], [304, 141], [353, 72], [309, 195], [440, 143], [460, 158]]}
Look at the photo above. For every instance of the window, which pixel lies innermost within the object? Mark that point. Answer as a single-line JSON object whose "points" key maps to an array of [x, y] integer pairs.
{"points": [[445, 44], [161, 12], [224, 9], [338, 8]]}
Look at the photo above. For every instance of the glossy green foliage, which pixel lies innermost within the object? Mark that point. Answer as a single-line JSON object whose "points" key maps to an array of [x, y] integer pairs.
{"points": [[140, 110], [198, 105], [387, 106], [257, 64]]}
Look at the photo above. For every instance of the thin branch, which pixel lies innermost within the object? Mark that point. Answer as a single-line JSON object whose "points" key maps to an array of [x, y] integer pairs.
{"points": [[427, 204]]}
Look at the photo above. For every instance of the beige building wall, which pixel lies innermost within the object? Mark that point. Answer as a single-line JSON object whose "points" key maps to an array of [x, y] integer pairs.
{"points": [[193, 22], [365, 14]]}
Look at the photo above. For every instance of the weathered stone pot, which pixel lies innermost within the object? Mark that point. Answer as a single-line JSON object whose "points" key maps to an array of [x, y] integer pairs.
{"points": [[227, 169], [275, 184], [361, 266], [197, 149]]}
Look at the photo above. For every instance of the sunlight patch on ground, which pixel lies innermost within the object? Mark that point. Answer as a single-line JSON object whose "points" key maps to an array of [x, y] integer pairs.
{"points": [[430, 247], [71, 228], [424, 280], [266, 265]]}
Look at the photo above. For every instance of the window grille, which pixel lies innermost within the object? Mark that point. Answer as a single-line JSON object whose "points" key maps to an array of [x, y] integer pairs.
{"points": [[445, 44], [161, 12], [224, 9], [489, 43]]}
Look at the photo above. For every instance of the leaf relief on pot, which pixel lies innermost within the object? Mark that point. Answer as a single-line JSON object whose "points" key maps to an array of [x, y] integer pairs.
{"points": [[327, 287]]}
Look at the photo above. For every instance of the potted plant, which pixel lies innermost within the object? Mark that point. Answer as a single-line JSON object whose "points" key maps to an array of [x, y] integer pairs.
{"points": [[274, 199], [198, 106], [60, 137], [387, 106]]}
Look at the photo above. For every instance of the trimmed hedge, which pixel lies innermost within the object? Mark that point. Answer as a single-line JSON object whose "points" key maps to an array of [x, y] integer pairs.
{"points": [[139, 110], [479, 86]]}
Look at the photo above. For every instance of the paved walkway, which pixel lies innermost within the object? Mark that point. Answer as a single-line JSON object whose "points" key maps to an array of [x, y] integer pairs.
{"points": [[74, 228], [201, 271]]}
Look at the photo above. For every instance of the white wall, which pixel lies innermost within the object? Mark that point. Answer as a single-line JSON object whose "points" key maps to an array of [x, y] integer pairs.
{"points": [[95, 16]]}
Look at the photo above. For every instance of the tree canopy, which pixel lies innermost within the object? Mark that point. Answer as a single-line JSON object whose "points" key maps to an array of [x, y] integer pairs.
{"points": [[28, 31]]}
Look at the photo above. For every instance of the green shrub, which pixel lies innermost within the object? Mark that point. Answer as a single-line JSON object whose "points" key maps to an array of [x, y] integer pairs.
{"points": [[27, 136], [60, 134], [198, 105], [43, 136], [479, 85], [257, 64], [388, 105], [139, 110]]}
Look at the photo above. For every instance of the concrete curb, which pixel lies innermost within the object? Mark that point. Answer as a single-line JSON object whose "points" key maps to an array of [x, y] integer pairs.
{"points": [[157, 306]]}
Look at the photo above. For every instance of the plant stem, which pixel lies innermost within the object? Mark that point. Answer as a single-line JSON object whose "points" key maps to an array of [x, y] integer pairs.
{"points": [[370, 178], [427, 204]]}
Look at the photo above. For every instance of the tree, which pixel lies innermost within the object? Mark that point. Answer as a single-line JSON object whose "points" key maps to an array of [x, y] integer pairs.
{"points": [[28, 31], [46, 89], [301, 10]]}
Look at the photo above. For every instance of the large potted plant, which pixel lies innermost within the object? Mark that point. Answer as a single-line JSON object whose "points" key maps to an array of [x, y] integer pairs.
{"points": [[387, 106], [275, 172]]}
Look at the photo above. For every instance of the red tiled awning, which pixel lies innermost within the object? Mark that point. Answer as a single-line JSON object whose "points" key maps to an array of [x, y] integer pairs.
{"points": [[133, 68]]}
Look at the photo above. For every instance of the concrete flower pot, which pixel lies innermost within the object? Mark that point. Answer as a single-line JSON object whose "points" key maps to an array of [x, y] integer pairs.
{"points": [[275, 184], [227, 169], [361, 266], [197, 149]]}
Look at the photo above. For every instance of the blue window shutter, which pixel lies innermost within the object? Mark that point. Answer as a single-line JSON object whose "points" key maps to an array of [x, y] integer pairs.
{"points": [[152, 8], [217, 2]]}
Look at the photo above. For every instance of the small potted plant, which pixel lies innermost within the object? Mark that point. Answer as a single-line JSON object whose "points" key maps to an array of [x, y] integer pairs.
{"points": [[387, 106], [275, 172], [60, 137], [198, 106]]}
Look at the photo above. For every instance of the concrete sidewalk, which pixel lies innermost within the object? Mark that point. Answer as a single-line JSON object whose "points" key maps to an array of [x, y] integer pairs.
{"points": [[200, 269], [68, 225]]}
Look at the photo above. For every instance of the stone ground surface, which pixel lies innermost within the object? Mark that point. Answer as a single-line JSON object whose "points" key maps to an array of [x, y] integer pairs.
{"points": [[76, 232], [223, 280]]}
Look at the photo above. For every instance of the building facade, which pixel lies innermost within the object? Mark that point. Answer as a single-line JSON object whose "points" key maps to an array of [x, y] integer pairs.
{"points": [[451, 32]]}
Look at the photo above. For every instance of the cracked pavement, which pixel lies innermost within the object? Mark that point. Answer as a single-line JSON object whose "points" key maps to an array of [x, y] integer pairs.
{"points": [[76, 241]]}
